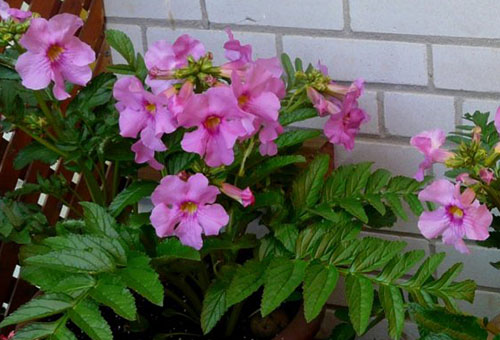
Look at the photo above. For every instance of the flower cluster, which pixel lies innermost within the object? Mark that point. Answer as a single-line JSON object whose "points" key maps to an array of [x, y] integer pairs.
{"points": [[461, 214]]}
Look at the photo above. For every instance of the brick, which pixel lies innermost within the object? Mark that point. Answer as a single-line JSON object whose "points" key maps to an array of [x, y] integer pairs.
{"points": [[367, 102], [476, 264], [472, 105], [264, 45], [400, 159], [375, 61], [134, 33], [485, 304], [427, 17], [407, 114], [466, 68], [154, 9], [324, 14]]}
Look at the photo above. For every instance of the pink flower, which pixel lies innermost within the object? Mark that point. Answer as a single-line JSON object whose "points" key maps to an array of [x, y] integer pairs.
{"points": [[459, 216], [322, 104], [429, 143], [55, 54], [244, 197], [217, 117], [185, 209], [178, 100], [8, 337], [239, 56], [163, 57], [4, 10], [487, 175], [145, 154], [19, 15], [497, 120], [260, 104], [466, 179], [343, 127]]}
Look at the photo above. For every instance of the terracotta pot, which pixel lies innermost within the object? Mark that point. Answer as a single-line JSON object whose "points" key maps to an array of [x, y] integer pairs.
{"points": [[299, 329]]}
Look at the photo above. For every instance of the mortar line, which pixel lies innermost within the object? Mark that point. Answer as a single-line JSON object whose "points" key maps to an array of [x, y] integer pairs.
{"points": [[381, 114], [430, 67], [314, 32], [204, 14], [458, 110], [347, 16], [144, 35], [279, 44]]}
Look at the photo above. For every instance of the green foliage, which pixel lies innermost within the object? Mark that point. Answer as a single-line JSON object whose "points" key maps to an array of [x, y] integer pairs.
{"points": [[122, 44], [131, 195], [19, 220], [79, 270], [34, 152]]}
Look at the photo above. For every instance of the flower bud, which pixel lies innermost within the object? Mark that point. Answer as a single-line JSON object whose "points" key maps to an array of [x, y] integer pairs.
{"points": [[487, 175], [244, 197], [476, 134]]}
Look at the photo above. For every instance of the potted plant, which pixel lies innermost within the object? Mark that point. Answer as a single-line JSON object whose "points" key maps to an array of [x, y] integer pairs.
{"points": [[218, 137]]}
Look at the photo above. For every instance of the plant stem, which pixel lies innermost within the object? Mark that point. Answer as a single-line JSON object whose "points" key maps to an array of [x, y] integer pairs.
{"points": [[247, 153], [114, 186], [233, 319], [93, 186], [182, 303], [188, 292], [42, 141], [45, 109]]}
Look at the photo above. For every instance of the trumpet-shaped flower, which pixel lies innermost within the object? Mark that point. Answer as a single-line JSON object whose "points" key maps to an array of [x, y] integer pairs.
{"points": [[244, 197], [429, 143], [186, 209], [217, 119], [487, 175], [54, 54], [239, 55], [145, 154], [163, 57], [459, 216]]}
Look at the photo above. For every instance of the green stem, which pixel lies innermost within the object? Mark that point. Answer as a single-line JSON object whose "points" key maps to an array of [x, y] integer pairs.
{"points": [[188, 292], [45, 109], [181, 302], [93, 186], [114, 187], [247, 153], [43, 142], [233, 319]]}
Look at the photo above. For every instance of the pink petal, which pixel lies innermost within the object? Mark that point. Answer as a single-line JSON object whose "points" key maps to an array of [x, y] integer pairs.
{"points": [[131, 122], [199, 191], [433, 223], [265, 106], [195, 141], [64, 26], [440, 191], [59, 89], [186, 46], [78, 52], [164, 122], [144, 154], [449, 237], [164, 219], [34, 70], [37, 38], [172, 190], [477, 222], [497, 120], [151, 140], [212, 218], [79, 75], [189, 233], [217, 153]]}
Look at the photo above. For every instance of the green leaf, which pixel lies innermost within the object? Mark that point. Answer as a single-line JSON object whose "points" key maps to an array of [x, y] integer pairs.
{"points": [[324, 210], [297, 115], [438, 320], [287, 234], [131, 195], [86, 315], [98, 220], [269, 166], [74, 283], [377, 181], [295, 137], [180, 161], [358, 179], [122, 44], [247, 279], [214, 303], [40, 307], [45, 278], [319, 283], [283, 276], [112, 292], [400, 265], [139, 276], [355, 208], [425, 271], [395, 203], [172, 248], [343, 331], [393, 304], [414, 204], [359, 294], [374, 253], [36, 330], [306, 189], [288, 67], [63, 333], [376, 202], [98, 92], [75, 261], [121, 69], [34, 152]]}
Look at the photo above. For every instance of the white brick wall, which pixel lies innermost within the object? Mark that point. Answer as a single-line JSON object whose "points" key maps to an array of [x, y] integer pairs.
{"points": [[425, 63]]}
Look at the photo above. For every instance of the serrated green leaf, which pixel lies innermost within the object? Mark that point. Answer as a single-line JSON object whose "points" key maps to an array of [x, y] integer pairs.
{"points": [[425, 271], [172, 248], [34, 152], [358, 179], [396, 206], [377, 181], [74, 283], [359, 295], [180, 161], [97, 92], [306, 189], [324, 210], [40, 307], [131, 195], [287, 234], [355, 208], [45, 278], [87, 316], [74, 261], [319, 283], [376, 202], [269, 166], [288, 118], [214, 303], [63, 333], [374, 253], [139, 276], [98, 220], [289, 70], [112, 292], [122, 44], [283, 276], [295, 137], [247, 279], [400, 265], [414, 204], [36, 330], [393, 304]]}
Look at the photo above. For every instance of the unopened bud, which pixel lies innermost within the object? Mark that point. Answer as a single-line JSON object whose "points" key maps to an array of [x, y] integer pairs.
{"points": [[476, 134]]}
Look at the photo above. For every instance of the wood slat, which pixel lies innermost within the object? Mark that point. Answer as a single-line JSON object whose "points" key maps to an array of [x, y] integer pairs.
{"points": [[46, 8], [8, 174]]}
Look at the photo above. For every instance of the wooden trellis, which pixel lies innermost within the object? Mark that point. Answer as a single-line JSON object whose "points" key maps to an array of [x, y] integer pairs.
{"points": [[13, 291]]}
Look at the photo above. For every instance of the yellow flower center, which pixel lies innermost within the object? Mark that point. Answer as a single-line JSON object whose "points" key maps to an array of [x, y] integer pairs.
{"points": [[212, 123], [54, 52], [151, 108], [242, 100], [456, 212], [189, 207]]}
